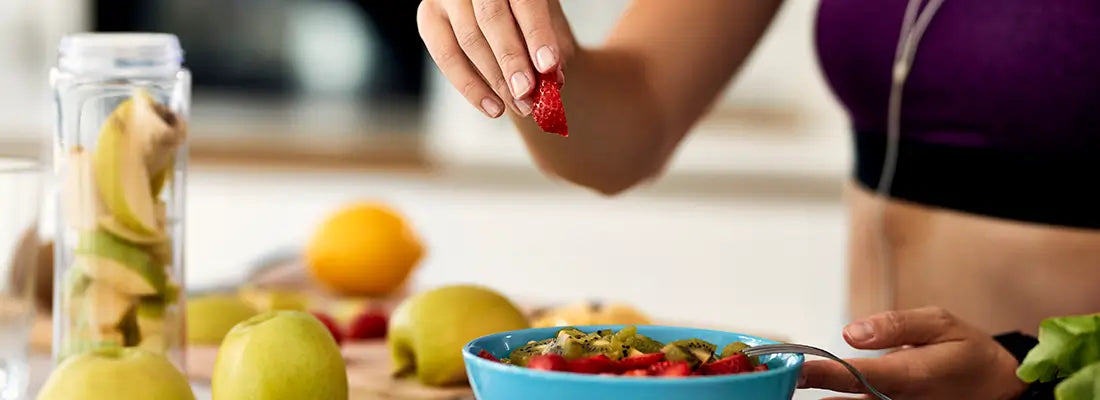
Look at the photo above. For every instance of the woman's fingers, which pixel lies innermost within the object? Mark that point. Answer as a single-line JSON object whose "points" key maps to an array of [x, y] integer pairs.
{"points": [[917, 327], [887, 375], [473, 42], [499, 26], [533, 17], [439, 37]]}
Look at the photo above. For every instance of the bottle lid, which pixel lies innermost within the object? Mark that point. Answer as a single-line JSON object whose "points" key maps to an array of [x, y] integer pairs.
{"points": [[120, 53]]}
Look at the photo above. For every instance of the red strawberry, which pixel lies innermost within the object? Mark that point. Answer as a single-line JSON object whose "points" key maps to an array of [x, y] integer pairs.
{"points": [[333, 328], [761, 367], [487, 355], [637, 372], [548, 362], [670, 368], [734, 364], [640, 361], [592, 365], [369, 325], [548, 110]]}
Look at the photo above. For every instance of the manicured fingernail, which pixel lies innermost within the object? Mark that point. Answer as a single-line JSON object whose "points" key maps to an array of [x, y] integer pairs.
{"points": [[491, 107], [524, 107], [545, 58], [561, 77], [520, 84], [860, 331], [802, 381]]}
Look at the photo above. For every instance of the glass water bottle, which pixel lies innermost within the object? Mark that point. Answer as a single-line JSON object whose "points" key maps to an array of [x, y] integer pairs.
{"points": [[120, 151]]}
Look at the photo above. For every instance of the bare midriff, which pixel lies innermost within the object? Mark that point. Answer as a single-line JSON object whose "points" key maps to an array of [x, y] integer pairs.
{"points": [[997, 274]]}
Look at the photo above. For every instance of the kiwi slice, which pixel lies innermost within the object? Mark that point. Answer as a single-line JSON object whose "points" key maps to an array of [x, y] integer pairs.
{"points": [[644, 344], [702, 349], [737, 347], [679, 353], [620, 348], [521, 355], [734, 347], [600, 346], [571, 331], [566, 346], [605, 332]]}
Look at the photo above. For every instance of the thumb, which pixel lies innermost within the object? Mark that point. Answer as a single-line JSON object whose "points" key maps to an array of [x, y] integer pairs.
{"points": [[915, 327]]}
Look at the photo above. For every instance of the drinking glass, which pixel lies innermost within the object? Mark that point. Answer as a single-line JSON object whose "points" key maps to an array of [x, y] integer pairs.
{"points": [[20, 198]]}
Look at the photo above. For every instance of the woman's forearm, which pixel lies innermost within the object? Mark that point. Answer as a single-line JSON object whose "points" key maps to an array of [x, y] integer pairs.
{"points": [[630, 101], [617, 136]]}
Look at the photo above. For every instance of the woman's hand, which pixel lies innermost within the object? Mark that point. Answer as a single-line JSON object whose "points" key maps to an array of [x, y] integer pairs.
{"points": [[492, 50], [941, 357]]}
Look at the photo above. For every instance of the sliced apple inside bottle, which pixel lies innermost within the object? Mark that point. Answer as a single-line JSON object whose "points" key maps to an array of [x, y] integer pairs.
{"points": [[123, 180], [127, 268], [104, 306]]}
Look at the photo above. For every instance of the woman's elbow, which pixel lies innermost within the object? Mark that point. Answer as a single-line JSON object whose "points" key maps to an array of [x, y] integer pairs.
{"points": [[613, 180]]}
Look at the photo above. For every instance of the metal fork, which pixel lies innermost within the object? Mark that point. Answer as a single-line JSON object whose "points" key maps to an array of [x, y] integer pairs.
{"points": [[803, 349]]}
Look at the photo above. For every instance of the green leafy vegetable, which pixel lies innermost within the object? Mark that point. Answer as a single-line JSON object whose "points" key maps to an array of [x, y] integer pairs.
{"points": [[1066, 345], [1083, 385]]}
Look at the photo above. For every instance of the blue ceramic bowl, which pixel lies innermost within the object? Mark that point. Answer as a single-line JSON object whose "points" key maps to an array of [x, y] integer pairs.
{"points": [[495, 381]]}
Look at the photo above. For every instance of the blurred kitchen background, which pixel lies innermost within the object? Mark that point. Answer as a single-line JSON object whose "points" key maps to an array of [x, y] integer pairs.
{"points": [[301, 106]]}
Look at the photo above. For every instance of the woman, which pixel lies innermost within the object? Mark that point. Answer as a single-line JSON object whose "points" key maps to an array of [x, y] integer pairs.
{"points": [[989, 213]]}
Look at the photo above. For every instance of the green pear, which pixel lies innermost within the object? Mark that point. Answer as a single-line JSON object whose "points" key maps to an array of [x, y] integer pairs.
{"points": [[124, 182], [427, 331], [79, 196], [210, 317], [280, 355], [130, 269], [115, 373]]}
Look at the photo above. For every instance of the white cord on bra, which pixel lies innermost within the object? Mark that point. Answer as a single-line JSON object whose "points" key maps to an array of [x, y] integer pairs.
{"points": [[911, 33]]}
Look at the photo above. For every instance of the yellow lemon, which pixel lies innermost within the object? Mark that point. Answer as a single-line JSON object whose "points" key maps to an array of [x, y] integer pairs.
{"points": [[364, 249]]}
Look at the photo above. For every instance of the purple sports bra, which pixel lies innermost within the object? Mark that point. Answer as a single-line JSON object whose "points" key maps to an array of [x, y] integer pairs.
{"points": [[1001, 111]]}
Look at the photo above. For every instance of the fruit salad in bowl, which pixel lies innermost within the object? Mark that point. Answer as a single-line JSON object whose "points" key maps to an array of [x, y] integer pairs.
{"points": [[635, 362]]}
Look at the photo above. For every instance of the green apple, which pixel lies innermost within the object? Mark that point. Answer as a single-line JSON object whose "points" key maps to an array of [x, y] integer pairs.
{"points": [[210, 317], [130, 269], [427, 331], [124, 182], [115, 373], [274, 299], [280, 355]]}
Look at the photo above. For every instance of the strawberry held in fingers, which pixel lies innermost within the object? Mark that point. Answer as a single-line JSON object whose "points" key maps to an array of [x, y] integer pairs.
{"points": [[548, 110]]}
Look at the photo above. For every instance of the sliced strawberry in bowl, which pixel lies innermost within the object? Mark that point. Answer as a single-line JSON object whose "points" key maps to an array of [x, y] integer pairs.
{"points": [[637, 372], [548, 362], [734, 364], [548, 110], [761, 367], [670, 369], [592, 365], [487, 355], [643, 361]]}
